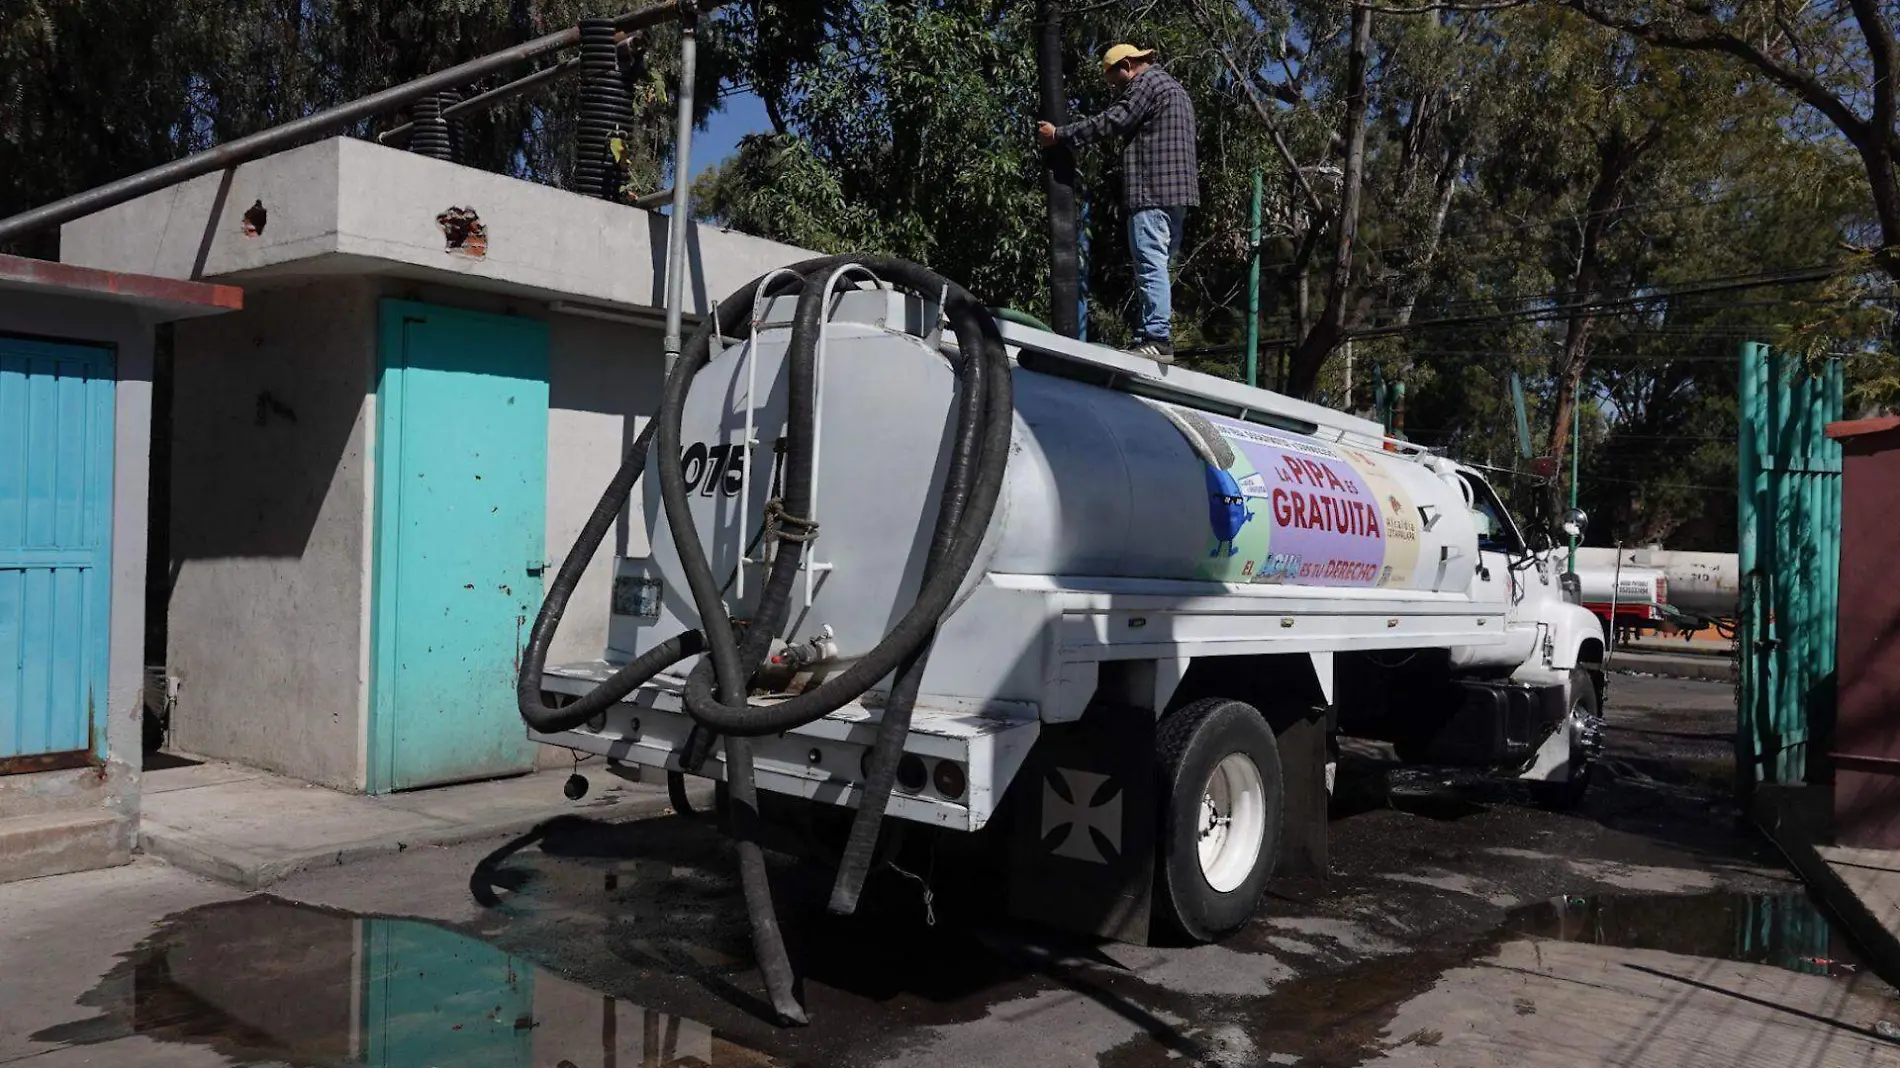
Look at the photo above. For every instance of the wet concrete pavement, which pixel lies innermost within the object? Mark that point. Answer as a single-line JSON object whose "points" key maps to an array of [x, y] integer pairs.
{"points": [[1462, 925]]}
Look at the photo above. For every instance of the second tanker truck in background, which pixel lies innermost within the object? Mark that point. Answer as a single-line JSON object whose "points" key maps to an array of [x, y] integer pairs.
{"points": [[1182, 591]]}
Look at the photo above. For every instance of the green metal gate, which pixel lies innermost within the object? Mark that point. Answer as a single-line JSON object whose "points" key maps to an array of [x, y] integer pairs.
{"points": [[1789, 549]]}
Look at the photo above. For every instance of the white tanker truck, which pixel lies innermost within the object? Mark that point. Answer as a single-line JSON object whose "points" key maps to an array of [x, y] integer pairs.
{"points": [[1183, 589]]}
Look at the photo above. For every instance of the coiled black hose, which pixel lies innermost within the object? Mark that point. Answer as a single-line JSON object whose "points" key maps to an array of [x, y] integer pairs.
{"points": [[605, 108], [430, 136], [980, 452]]}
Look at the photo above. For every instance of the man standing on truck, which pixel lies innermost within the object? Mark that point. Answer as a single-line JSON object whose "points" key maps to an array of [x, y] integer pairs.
{"points": [[1160, 177]]}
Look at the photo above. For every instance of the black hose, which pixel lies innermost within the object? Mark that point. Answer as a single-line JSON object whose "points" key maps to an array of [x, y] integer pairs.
{"points": [[894, 726], [546, 718], [431, 131], [1058, 175], [605, 109], [982, 366], [676, 794], [980, 452]]}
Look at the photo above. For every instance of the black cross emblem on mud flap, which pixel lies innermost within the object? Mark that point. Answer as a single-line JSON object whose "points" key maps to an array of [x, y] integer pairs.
{"points": [[1069, 799]]}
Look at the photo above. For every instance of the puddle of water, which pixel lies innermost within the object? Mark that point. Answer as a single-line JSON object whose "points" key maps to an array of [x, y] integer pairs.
{"points": [[1785, 931], [264, 978]]}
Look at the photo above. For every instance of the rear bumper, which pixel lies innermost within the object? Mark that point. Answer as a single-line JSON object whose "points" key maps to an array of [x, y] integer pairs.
{"points": [[821, 761]]}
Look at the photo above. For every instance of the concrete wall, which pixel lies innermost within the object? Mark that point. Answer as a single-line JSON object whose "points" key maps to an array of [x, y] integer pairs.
{"points": [[273, 498], [270, 537], [604, 383], [88, 817]]}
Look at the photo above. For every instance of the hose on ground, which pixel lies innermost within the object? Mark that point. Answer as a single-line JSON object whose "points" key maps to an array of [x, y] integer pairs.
{"points": [[676, 795], [716, 691]]}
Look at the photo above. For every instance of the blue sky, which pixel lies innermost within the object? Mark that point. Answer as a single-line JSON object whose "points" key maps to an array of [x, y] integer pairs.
{"points": [[739, 114]]}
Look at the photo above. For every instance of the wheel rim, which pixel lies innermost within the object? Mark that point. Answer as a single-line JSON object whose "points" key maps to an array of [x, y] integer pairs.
{"points": [[1233, 822]]}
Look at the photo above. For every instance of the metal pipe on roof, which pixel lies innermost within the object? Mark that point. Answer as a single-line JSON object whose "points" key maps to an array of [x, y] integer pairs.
{"points": [[507, 91], [654, 200], [264, 142], [682, 218]]}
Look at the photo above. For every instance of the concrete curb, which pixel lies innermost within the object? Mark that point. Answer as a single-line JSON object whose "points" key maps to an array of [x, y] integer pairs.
{"points": [[1674, 665], [1792, 817], [252, 870]]}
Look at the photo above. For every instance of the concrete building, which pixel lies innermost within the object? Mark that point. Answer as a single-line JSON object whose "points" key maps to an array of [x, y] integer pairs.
{"points": [[436, 371], [75, 416]]}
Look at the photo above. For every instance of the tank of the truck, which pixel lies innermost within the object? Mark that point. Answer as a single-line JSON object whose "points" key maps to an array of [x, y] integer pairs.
{"points": [[1102, 485]]}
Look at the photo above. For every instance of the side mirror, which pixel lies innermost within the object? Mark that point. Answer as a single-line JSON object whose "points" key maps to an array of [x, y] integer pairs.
{"points": [[1574, 523]]}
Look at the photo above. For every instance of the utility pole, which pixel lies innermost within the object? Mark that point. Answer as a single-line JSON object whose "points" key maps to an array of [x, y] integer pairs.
{"points": [[1253, 289]]}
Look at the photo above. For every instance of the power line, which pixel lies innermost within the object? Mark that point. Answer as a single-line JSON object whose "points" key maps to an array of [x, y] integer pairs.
{"points": [[1627, 304]]}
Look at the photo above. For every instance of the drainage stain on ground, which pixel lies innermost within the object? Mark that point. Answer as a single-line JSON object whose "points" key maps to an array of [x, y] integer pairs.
{"points": [[265, 979]]}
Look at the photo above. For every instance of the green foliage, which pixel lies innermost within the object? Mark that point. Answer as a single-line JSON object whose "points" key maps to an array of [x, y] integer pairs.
{"points": [[911, 140]]}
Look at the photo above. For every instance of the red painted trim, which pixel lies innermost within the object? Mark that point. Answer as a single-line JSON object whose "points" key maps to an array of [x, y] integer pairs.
{"points": [[1625, 610], [114, 283], [1853, 428]]}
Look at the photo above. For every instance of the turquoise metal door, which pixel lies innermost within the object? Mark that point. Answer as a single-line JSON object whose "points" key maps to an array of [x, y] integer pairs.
{"points": [[1789, 549], [433, 997], [55, 552], [461, 503]]}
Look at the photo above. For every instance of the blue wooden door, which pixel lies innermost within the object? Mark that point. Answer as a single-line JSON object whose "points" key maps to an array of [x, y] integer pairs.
{"points": [[55, 552], [461, 518]]}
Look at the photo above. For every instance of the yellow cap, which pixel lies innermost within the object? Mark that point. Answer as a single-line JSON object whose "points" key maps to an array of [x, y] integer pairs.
{"points": [[1121, 52]]}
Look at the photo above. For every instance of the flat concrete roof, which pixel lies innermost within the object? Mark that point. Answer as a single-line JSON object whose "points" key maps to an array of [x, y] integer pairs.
{"points": [[167, 298], [350, 207]]}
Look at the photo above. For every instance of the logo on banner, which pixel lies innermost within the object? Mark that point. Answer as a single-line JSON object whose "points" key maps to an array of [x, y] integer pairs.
{"points": [[1072, 804]]}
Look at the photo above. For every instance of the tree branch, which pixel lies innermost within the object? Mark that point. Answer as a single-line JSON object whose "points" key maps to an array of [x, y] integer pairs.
{"points": [[1266, 115], [1801, 83], [1430, 9]]}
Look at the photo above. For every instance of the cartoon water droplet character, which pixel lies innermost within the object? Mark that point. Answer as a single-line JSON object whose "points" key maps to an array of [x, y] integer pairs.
{"points": [[1227, 510]]}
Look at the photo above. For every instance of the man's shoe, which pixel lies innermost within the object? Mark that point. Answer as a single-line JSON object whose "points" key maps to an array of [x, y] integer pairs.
{"points": [[1161, 351]]}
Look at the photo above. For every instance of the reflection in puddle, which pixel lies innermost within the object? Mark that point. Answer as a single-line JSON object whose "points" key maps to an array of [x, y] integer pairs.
{"points": [[1781, 930], [265, 978]]}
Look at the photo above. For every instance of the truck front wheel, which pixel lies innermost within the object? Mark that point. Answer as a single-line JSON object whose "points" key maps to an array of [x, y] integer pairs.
{"points": [[1220, 825], [1584, 724]]}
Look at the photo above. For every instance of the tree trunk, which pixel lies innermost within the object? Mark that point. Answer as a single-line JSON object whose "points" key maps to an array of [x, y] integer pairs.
{"points": [[1311, 352], [1615, 155]]}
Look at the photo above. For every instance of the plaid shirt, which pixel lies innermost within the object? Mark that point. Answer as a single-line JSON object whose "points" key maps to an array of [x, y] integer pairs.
{"points": [[1159, 166]]}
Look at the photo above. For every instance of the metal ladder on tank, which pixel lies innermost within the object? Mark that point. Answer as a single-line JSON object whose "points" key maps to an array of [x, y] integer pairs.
{"points": [[809, 564]]}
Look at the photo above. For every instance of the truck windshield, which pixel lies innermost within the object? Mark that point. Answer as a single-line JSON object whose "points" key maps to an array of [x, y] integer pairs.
{"points": [[1495, 532]]}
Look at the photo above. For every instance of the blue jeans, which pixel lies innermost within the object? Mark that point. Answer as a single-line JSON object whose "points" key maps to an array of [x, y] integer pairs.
{"points": [[1154, 238]]}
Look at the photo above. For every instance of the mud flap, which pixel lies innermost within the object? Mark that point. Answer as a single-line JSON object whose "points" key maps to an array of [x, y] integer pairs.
{"points": [[1304, 848], [1082, 826]]}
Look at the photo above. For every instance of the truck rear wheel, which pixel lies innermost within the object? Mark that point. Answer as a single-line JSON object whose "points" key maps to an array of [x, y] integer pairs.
{"points": [[1223, 801]]}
